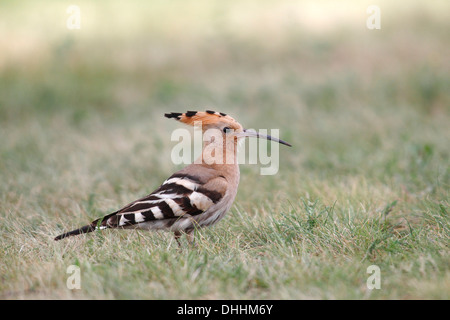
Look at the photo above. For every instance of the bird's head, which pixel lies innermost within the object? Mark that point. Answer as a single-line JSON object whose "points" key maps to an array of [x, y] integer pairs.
{"points": [[219, 123]]}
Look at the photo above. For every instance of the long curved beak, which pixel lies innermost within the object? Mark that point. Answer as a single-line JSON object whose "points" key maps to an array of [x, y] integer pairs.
{"points": [[248, 133]]}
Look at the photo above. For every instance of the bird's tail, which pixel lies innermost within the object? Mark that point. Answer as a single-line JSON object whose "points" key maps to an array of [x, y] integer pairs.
{"points": [[85, 229], [98, 224]]}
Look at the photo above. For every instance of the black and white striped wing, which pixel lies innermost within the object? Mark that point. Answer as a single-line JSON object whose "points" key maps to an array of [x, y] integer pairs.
{"points": [[180, 195]]}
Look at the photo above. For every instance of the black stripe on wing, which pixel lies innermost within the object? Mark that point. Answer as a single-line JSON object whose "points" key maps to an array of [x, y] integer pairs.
{"points": [[173, 188], [166, 211], [148, 215], [187, 206], [213, 195], [139, 204], [186, 176]]}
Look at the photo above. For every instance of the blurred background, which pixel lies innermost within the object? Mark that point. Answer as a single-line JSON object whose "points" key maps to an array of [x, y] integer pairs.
{"points": [[351, 100], [82, 129], [79, 107]]}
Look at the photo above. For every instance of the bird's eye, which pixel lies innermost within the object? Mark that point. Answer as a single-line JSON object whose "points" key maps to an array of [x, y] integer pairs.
{"points": [[226, 130]]}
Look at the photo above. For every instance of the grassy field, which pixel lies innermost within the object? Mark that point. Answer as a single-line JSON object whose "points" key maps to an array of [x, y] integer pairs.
{"points": [[366, 182]]}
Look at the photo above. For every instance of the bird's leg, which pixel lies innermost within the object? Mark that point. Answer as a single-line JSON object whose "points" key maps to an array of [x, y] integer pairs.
{"points": [[189, 235], [177, 237], [191, 238]]}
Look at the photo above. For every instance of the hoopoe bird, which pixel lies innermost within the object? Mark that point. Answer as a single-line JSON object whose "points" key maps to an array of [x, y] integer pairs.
{"points": [[198, 195]]}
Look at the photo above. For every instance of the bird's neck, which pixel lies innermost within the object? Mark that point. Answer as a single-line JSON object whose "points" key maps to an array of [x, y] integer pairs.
{"points": [[223, 159], [219, 155]]}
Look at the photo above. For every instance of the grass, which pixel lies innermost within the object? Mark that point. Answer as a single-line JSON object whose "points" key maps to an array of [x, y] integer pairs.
{"points": [[366, 183]]}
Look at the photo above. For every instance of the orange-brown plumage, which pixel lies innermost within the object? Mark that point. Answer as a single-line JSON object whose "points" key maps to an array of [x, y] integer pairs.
{"points": [[206, 118]]}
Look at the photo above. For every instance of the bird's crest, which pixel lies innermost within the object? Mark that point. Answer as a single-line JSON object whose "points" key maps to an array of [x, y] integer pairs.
{"points": [[207, 117]]}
